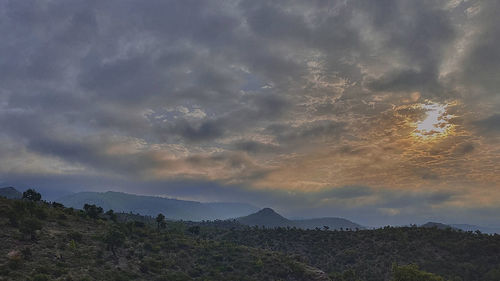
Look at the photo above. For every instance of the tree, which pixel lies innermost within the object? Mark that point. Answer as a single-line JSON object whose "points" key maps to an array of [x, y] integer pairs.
{"points": [[114, 238], [32, 195], [160, 221], [195, 229], [112, 216], [92, 211]]}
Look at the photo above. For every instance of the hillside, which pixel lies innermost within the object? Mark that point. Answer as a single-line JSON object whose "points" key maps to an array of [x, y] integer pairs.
{"points": [[151, 206], [267, 217], [369, 255], [10, 192], [40, 241]]}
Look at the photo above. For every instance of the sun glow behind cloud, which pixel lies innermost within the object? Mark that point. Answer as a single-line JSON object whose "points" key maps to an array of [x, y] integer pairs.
{"points": [[436, 123]]}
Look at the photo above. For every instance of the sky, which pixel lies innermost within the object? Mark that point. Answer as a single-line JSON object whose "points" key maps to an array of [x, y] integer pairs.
{"points": [[384, 112]]}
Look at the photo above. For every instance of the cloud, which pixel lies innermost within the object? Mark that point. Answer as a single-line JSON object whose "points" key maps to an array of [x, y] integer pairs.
{"points": [[263, 99], [489, 125]]}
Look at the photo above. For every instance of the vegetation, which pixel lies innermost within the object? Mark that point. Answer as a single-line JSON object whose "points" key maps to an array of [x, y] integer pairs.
{"points": [[73, 244], [452, 254], [32, 195], [42, 241]]}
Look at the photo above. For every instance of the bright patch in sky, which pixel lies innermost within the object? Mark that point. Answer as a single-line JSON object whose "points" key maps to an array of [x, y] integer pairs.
{"points": [[436, 122]]}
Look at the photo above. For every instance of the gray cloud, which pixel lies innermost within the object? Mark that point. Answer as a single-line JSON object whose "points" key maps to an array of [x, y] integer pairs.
{"points": [[221, 92], [489, 125]]}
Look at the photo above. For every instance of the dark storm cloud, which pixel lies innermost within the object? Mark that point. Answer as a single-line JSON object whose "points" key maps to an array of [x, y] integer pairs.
{"points": [[196, 98], [314, 131], [482, 60], [489, 125], [256, 147]]}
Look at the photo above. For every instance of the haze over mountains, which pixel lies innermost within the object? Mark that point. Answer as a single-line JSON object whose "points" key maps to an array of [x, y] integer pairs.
{"points": [[152, 206], [196, 211]]}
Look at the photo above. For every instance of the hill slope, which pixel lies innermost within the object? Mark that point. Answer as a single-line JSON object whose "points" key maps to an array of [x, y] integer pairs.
{"points": [[67, 245], [10, 192], [152, 206]]}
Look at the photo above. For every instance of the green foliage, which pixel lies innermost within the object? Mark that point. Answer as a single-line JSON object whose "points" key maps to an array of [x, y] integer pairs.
{"points": [[225, 250], [57, 205], [370, 253], [412, 273], [111, 215], [92, 211], [114, 238], [40, 213], [29, 226], [160, 221], [195, 229], [32, 195]]}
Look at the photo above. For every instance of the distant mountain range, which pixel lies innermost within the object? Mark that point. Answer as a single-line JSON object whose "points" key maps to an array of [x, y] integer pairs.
{"points": [[463, 227], [152, 206], [10, 192], [437, 225], [196, 211], [269, 218]]}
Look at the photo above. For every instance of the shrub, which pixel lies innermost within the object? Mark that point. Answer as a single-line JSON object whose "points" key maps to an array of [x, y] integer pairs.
{"points": [[32, 195], [29, 227], [114, 238], [76, 236], [92, 211]]}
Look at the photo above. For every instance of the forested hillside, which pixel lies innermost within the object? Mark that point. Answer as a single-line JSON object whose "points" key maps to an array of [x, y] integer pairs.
{"points": [[41, 241], [370, 254], [47, 241]]}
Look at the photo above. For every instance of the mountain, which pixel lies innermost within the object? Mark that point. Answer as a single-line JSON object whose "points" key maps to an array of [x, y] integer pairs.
{"points": [[152, 206], [331, 223], [464, 227], [470, 227], [266, 217], [437, 225], [269, 218], [10, 192]]}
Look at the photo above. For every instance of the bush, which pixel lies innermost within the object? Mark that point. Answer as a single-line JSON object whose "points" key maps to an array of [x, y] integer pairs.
{"points": [[76, 236], [114, 238], [92, 211], [32, 195], [40, 213], [29, 227]]}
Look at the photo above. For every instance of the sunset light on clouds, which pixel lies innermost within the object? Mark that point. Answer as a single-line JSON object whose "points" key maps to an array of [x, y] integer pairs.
{"points": [[380, 111]]}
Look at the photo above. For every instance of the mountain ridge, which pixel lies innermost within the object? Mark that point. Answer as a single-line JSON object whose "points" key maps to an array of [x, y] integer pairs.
{"points": [[152, 205], [10, 192], [267, 217]]}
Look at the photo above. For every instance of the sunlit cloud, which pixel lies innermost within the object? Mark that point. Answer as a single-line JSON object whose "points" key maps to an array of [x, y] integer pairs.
{"points": [[259, 98]]}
